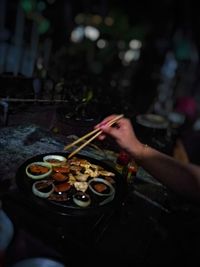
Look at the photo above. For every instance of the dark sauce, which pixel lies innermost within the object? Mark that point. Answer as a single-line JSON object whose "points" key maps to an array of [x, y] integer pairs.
{"points": [[54, 160], [95, 186], [44, 188], [82, 196], [60, 197], [37, 169]]}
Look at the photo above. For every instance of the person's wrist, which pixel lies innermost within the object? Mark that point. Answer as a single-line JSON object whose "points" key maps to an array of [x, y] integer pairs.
{"points": [[138, 151]]}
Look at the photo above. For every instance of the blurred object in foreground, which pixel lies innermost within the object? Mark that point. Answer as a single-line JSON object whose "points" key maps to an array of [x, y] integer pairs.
{"points": [[38, 262], [132, 169], [122, 161], [6, 230]]}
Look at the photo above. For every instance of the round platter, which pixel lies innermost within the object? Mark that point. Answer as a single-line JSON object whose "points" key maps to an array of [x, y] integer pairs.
{"points": [[68, 207]]}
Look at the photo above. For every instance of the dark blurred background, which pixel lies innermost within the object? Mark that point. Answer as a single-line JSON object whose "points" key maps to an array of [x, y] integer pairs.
{"points": [[102, 57], [65, 65]]}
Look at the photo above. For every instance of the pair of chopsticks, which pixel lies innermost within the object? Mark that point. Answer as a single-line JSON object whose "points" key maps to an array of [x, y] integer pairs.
{"points": [[95, 134]]}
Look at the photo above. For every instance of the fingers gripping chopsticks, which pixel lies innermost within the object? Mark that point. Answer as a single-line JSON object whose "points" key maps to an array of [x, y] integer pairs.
{"points": [[95, 134]]}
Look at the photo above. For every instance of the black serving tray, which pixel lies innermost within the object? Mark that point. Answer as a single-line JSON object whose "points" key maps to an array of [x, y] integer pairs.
{"points": [[24, 184]]}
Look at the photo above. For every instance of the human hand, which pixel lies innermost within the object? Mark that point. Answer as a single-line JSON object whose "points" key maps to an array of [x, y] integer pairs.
{"points": [[122, 131]]}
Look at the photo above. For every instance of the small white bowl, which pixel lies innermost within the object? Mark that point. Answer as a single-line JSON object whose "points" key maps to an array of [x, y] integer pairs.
{"points": [[82, 199], [54, 160], [38, 192], [103, 181], [39, 176]]}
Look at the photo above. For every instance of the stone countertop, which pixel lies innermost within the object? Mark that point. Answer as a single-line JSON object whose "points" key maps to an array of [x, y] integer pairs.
{"points": [[17, 144]]}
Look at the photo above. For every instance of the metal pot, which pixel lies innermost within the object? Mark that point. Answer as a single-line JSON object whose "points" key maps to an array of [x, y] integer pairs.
{"points": [[152, 129]]}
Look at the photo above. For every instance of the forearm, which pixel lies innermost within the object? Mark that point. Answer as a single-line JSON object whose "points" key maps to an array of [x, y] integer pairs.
{"points": [[182, 178]]}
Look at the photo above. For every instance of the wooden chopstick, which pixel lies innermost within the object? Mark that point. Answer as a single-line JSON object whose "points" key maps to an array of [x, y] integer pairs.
{"points": [[91, 133], [81, 139], [97, 131], [85, 144]]}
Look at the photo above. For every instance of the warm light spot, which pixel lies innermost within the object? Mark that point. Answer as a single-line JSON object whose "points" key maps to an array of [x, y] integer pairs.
{"points": [[131, 55], [92, 33], [135, 44], [77, 34]]}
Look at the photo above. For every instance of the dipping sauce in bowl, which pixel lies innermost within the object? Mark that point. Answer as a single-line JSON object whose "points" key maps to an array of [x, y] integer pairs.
{"points": [[81, 199], [43, 188], [54, 160], [101, 187], [38, 170]]}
